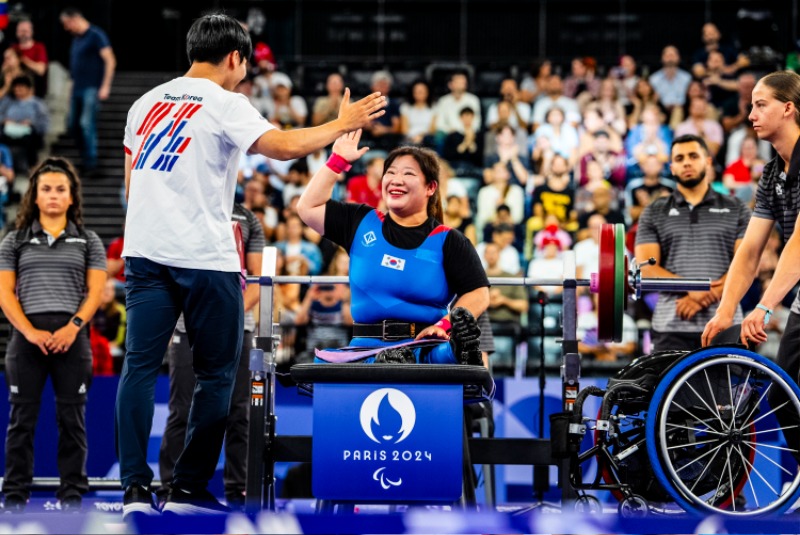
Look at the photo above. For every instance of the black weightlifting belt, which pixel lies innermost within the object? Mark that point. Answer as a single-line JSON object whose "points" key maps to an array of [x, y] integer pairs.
{"points": [[388, 330]]}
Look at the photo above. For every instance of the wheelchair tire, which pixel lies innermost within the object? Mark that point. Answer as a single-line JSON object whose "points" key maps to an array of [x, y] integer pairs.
{"points": [[711, 412]]}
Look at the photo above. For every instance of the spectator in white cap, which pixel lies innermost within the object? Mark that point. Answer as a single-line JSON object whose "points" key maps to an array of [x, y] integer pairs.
{"points": [[384, 132], [286, 111]]}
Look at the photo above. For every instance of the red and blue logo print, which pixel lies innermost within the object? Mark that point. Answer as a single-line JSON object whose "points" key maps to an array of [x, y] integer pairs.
{"points": [[169, 139]]}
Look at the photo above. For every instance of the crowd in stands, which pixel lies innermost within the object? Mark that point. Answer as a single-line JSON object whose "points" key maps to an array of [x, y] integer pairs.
{"points": [[534, 171], [526, 174]]}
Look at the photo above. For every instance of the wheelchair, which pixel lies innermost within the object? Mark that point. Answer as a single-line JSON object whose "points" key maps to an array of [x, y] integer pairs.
{"points": [[689, 432]]}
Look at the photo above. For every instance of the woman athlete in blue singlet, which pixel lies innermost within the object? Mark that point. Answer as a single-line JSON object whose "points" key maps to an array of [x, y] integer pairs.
{"points": [[406, 268]]}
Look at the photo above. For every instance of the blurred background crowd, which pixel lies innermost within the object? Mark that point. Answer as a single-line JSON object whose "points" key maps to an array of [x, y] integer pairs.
{"points": [[536, 152]]}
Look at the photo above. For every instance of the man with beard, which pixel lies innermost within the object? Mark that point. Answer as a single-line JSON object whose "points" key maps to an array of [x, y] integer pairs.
{"points": [[671, 82], [692, 233]]}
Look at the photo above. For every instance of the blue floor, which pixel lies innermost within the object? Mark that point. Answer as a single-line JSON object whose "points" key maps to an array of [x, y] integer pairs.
{"points": [[103, 515]]}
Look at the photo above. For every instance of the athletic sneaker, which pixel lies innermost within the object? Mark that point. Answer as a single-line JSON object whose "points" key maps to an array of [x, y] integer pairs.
{"points": [[183, 502], [71, 504], [138, 499], [14, 504], [465, 337]]}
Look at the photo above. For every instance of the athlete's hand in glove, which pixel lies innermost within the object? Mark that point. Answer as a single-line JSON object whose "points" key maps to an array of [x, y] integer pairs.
{"points": [[347, 146], [361, 113]]}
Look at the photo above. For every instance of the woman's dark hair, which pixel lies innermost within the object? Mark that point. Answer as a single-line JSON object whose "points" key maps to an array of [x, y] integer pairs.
{"points": [[538, 65], [214, 36], [429, 165], [785, 87], [28, 211], [428, 101]]}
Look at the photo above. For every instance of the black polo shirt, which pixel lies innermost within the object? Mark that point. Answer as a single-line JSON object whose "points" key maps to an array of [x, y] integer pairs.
{"points": [[51, 271], [778, 197], [696, 242]]}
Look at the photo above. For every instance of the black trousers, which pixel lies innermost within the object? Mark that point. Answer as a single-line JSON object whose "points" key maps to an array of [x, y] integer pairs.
{"points": [[181, 386], [789, 360], [27, 370], [677, 341]]}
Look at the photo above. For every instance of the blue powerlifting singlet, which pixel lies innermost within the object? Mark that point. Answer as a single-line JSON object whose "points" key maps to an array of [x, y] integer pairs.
{"points": [[389, 283]]}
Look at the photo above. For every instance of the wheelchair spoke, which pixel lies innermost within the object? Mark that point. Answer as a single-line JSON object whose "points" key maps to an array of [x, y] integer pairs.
{"points": [[753, 433], [758, 404], [745, 462], [741, 392], [705, 469], [709, 452], [758, 473], [706, 430], [755, 449], [774, 409], [730, 478], [719, 485], [730, 395], [687, 411], [715, 409], [698, 443]]}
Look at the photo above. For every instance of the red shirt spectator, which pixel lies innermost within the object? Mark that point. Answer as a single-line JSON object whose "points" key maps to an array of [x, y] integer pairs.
{"points": [[116, 264], [102, 362], [367, 187], [33, 55]]}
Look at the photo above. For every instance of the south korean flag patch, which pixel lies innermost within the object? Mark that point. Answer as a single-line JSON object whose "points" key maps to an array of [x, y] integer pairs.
{"points": [[392, 262]]}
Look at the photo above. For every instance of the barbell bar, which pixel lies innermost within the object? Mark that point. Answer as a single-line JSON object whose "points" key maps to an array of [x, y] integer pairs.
{"points": [[617, 281]]}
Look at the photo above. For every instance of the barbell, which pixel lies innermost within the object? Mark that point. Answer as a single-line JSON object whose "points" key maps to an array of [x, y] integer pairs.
{"points": [[616, 281]]}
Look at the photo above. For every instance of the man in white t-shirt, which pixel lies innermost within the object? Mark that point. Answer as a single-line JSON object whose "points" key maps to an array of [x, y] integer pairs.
{"points": [[448, 109], [183, 142]]}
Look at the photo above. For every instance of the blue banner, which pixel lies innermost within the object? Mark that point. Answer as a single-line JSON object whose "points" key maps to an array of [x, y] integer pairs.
{"points": [[387, 443]]}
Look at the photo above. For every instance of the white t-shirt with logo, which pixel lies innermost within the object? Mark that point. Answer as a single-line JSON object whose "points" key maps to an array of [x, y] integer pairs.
{"points": [[185, 138]]}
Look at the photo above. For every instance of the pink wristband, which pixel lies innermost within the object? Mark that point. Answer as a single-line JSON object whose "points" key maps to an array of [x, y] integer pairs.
{"points": [[337, 164], [444, 324]]}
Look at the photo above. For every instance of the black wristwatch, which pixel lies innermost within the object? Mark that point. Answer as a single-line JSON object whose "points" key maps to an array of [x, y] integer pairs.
{"points": [[77, 321]]}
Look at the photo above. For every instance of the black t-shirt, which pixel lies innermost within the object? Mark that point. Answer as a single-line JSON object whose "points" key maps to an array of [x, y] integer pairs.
{"points": [[612, 217], [557, 202], [653, 191], [462, 265]]}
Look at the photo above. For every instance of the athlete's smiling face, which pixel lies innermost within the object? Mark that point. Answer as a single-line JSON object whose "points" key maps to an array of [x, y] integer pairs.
{"points": [[404, 188]]}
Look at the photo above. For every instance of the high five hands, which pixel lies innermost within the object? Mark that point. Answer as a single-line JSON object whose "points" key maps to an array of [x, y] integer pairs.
{"points": [[360, 113], [346, 146]]}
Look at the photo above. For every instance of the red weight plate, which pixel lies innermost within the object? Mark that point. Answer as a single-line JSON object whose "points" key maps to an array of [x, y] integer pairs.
{"points": [[605, 294]]}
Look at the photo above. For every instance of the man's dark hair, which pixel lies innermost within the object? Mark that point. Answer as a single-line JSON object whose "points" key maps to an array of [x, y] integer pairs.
{"points": [[22, 79], [688, 138], [214, 36], [301, 166], [466, 110], [71, 12], [503, 227]]}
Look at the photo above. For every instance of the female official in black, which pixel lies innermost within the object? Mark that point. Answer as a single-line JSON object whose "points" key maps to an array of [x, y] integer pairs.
{"points": [[52, 273]]}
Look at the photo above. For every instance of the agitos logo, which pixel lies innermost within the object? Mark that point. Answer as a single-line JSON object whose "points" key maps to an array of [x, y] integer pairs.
{"points": [[387, 417], [402, 405]]}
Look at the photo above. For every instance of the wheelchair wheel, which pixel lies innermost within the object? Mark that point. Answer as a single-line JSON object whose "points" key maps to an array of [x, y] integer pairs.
{"points": [[713, 439], [587, 504]]}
